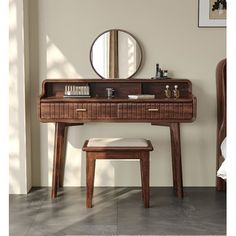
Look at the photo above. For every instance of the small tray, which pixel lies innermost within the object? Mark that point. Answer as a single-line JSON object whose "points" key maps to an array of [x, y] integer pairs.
{"points": [[141, 96], [77, 96]]}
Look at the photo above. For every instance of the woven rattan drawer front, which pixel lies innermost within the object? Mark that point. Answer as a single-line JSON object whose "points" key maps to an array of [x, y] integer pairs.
{"points": [[155, 111], [78, 111]]}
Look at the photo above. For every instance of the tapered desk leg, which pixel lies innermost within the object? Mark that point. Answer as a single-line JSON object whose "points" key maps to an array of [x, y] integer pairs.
{"points": [[57, 159], [176, 158], [63, 159], [173, 153]]}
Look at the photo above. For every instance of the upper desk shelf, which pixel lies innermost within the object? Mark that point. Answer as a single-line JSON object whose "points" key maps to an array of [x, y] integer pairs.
{"points": [[173, 100]]}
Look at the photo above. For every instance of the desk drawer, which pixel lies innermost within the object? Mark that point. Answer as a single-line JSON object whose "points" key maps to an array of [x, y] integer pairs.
{"points": [[155, 111], [125, 111], [78, 111]]}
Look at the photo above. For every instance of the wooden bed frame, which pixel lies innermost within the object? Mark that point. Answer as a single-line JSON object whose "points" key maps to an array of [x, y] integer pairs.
{"points": [[221, 79]]}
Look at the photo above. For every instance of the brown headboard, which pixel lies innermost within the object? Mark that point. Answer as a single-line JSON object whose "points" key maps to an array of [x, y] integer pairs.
{"points": [[221, 89]]}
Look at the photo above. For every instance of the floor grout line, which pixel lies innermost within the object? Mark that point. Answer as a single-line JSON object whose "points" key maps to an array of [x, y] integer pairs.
{"points": [[131, 217], [31, 225]]}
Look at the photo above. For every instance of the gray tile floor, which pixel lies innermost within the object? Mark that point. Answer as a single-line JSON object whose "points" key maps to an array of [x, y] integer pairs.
{"points": [[118, 211]]}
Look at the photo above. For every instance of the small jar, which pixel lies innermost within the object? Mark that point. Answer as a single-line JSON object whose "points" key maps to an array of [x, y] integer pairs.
{"points": [[110, 92], [165, 73]]}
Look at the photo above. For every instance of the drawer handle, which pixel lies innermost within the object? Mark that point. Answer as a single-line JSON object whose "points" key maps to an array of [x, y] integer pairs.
{"points": [[81, 109], [153, 109]]}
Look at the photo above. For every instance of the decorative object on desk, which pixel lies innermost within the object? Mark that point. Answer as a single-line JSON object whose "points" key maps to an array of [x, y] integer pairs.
{"points": [[160, 74], [141, 96], [115, 54], [158, 71], [167, 91], [176, 92], [76, 91], [212, 13], [165, 73], [110, 92]]}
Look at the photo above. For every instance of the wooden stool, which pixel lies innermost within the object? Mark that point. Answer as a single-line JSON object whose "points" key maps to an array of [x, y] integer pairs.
{"points": [[117, 148]]}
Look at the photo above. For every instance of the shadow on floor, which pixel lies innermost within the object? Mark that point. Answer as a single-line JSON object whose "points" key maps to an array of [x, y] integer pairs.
{"points": [[118, 211]]}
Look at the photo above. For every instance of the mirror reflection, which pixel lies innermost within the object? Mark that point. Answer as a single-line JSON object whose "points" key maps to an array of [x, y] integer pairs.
{"points": [[115, 54]]}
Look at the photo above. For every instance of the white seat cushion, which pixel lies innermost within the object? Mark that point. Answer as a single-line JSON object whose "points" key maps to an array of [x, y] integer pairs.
{"points": [[117, 142]]}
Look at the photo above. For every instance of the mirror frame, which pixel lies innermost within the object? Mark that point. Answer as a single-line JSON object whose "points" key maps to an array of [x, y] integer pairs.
{"points": [[139, 45]]}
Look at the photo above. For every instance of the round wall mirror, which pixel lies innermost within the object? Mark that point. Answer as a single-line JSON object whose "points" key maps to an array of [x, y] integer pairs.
{"points": [[115, 54]]}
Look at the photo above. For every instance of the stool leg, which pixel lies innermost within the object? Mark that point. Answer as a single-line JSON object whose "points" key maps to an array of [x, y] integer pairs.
{"points": [[90, 170], [144, 161], [142, 183]]}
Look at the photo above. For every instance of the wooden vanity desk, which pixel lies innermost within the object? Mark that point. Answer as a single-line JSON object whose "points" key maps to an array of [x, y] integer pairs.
{"points": [[70, 111]]}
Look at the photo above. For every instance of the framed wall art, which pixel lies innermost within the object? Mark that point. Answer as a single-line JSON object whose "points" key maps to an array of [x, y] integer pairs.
{"points": [[212, 13]]}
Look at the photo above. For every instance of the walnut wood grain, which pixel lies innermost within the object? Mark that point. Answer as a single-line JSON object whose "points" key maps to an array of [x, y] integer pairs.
{"points": [[58, 150], [55, 87], [221, 92], [144, 162], [53, 107], [59, 157], [90, 172], [120, 112], [113, 55], [176, 159], [96, 153]]}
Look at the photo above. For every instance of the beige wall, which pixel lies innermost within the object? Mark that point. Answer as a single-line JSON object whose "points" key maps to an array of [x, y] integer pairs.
{"points": [[61, 33], [19, 99]]}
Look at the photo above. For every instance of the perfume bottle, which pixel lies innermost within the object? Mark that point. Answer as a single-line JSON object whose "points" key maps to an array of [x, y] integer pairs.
{"points": [[176, 92], [157, 71], [167, 91]]}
